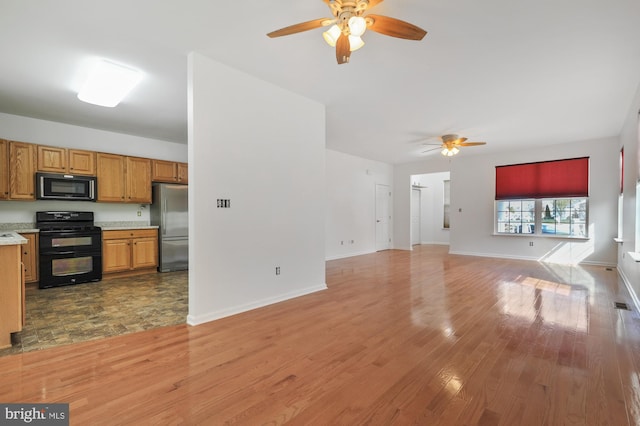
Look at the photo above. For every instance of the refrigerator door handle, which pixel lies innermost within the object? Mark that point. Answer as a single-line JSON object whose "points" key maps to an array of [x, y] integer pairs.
{"points": [[163, 216]]}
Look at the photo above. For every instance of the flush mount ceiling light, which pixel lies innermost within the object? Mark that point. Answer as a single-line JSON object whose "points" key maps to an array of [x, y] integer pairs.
{"points": [[349, 24], [108, 83]]}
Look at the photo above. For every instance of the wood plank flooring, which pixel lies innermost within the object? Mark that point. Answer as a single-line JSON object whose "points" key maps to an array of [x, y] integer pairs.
{"points": [[399, 337]]}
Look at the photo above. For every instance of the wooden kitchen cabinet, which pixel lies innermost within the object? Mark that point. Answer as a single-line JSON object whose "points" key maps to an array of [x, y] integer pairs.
{"points": [[123, 179], [11, 293], [82, 162], [4, 169], [110, 169], [63, 160], [183, 173], [164, 171], [22, 167], [138, 180], [169, 171], [30, 257], [129, 252]]}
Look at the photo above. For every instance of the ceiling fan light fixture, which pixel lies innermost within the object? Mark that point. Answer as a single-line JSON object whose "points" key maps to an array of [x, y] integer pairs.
{"points": [[331, 35], [108, 83], [449, 152], [357, 26], [355, 43]]}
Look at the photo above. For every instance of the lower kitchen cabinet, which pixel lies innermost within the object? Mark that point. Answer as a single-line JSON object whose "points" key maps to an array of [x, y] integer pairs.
{"points": [[129, 252], [30, 257], [11, 293]]}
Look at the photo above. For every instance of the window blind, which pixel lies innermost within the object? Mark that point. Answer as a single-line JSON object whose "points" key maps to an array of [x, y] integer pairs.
{"points": [[546, 179]]}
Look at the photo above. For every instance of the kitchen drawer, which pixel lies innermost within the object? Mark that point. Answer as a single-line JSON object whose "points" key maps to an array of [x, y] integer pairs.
{"points": [[129, 233]]}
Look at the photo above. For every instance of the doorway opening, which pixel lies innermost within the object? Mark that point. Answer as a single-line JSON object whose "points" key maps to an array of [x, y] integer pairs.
{"points": [[430, 208]]}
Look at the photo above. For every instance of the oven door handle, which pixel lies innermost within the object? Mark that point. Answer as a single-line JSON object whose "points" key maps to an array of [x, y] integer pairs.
{"points": [[53, 253]]}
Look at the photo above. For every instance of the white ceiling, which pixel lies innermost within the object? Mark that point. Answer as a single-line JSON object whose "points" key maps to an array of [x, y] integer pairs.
{"points": [[511, 73]]}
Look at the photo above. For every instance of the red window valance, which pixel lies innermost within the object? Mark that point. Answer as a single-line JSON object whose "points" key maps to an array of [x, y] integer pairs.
{"points": [[547, 179]]}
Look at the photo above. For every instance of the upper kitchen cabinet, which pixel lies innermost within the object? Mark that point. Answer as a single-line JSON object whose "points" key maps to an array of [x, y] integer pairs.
{"points": [[110, 171], [138, 180], [63, 160], [22, 167], [164, 171], [168, 171], [4, 170], [183, 173], [123, 179]]}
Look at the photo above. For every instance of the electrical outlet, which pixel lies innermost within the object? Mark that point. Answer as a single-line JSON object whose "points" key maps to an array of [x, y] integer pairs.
{"points": [[530, 243], [277, 270], [139, 213]]}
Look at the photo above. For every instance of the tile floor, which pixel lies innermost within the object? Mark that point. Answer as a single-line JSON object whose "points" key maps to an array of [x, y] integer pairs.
{"points": [[70, 314]]}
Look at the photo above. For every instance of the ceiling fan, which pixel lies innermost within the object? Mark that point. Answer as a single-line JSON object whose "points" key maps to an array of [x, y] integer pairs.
{"points": [[450, 145], [348, 24]]}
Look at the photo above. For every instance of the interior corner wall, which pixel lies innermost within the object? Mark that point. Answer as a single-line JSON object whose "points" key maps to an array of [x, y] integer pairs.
{"points": [[350, 213], [472, 206], [262, 148], [630, 139]]}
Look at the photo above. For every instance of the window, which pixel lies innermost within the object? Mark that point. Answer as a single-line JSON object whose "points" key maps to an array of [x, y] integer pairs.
{"points": [[547, 198], [564, 216], [447, 203], [516, 216], [621, 195]]}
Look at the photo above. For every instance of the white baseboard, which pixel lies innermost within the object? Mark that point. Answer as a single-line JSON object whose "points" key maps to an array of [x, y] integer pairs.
{"points": [[632, 292], [215, 315], [344, 256]]}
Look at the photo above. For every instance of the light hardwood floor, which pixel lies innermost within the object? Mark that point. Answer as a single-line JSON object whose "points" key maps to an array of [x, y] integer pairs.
{"points": [[399, 337]]}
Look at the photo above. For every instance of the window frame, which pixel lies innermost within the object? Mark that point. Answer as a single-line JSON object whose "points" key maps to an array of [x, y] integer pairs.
{"points": [[537, 219]]}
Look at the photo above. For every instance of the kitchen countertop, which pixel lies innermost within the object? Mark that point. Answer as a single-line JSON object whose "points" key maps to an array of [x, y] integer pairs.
{"points": [[26, 228], [124, 228], [10, 238], [19, 227]]}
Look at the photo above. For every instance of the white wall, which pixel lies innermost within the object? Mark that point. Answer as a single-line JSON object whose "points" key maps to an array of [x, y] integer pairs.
{"points": [[432, 207], [25, 129], [472, 205], [51, 133], [350, 215], [263, 148], [629, 138]]}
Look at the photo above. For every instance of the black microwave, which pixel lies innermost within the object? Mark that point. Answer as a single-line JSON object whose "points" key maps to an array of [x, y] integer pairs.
{"points": [[53, 186]]}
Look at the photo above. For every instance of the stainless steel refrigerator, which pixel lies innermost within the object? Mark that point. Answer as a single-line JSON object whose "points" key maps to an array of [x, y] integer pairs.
{"points": [[169, 211]]}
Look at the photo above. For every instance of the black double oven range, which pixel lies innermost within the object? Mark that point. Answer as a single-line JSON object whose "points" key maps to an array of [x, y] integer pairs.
{"points": [[70, 248]]}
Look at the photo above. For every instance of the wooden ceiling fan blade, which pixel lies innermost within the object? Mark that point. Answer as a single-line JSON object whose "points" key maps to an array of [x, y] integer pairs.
{"points": [[394, 27], [471, 143], [303, 26], [343, 49], [374, 3]]}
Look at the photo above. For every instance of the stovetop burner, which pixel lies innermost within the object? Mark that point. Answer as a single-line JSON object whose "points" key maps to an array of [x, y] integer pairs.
{"points": [[46, 227], [65, 221]]}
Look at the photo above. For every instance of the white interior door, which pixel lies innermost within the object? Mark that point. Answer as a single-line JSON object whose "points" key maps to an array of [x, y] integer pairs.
{"points": [[383, 218], [416, 236]]}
